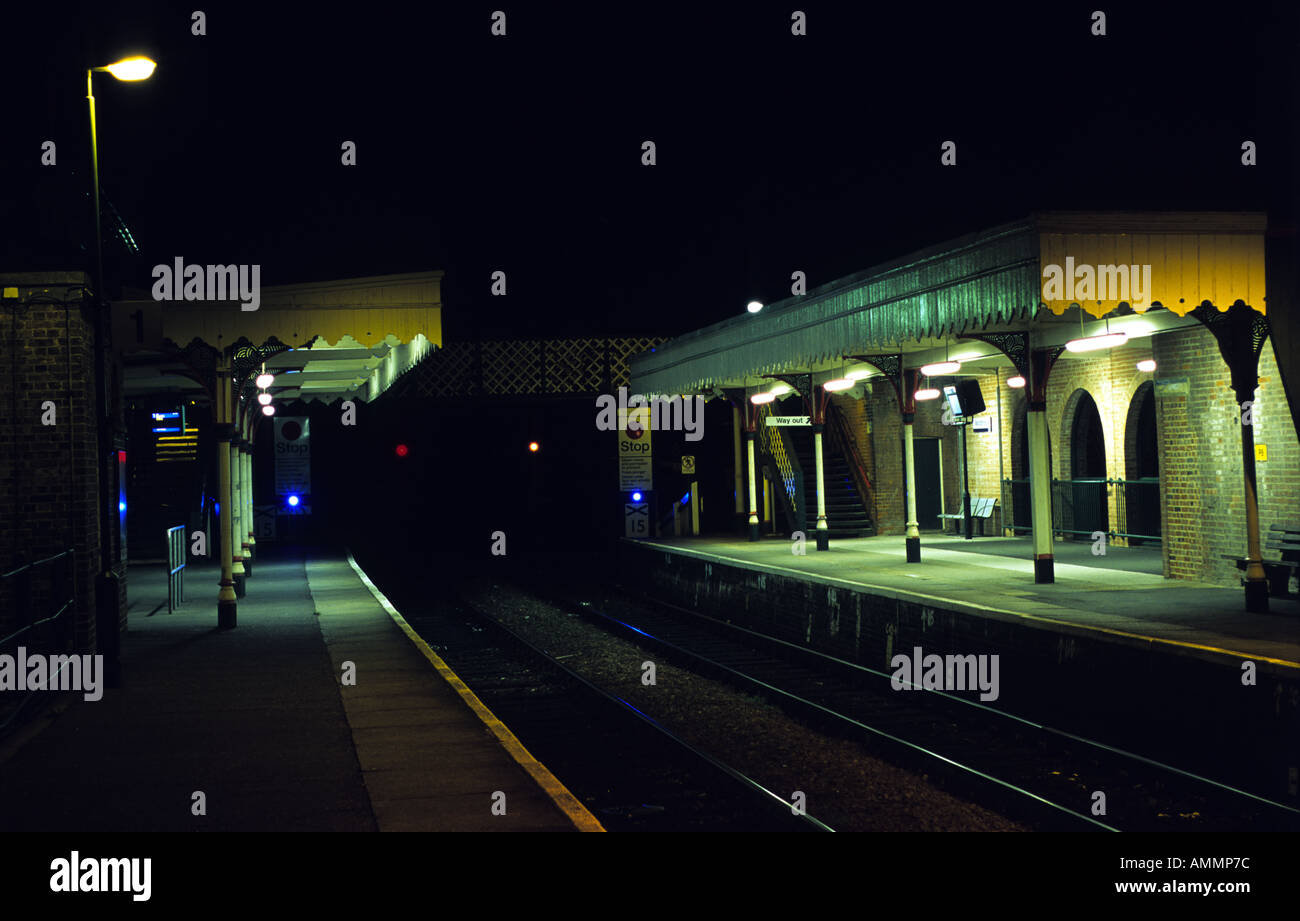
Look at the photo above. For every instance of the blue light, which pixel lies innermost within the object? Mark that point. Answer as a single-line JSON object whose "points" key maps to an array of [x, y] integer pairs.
{"points": [[636, 497], [293, 501], [686, 498], [121, 506]]}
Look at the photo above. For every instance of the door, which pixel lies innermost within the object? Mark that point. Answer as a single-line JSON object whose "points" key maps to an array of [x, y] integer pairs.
{"points": [[929, 482]]}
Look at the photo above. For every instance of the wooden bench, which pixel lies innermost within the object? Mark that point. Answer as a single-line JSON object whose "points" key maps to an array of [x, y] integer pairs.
{"points": [[1285, 539], [981, 510]]}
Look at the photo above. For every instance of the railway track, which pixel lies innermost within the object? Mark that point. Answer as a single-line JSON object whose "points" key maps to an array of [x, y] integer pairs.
{"points": [[632, 773], [1038, 774]]}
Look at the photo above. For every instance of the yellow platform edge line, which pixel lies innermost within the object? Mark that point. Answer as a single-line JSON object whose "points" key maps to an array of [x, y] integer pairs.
{"points": [[892, 592], [565, 801]]}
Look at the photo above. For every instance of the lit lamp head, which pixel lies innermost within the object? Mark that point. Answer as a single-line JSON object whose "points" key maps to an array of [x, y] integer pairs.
{"points": [[753, 306], [264, 380], [264, 399], [131, 69]]}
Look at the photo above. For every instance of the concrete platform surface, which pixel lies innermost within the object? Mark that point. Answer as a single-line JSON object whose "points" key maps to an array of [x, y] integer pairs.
{"points": [[1121, 593], [258, 721]]}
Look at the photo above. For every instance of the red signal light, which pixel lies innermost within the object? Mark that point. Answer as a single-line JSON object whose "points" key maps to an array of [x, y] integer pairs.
{"points": [[402, 450]]}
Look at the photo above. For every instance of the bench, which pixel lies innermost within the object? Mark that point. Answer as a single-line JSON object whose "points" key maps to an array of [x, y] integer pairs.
{"points": [[1285, 539], [981, 510]]}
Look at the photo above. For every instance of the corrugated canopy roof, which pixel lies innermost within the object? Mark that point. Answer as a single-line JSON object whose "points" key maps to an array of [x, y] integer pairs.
{"points": [[984, 282], [346, 338]]}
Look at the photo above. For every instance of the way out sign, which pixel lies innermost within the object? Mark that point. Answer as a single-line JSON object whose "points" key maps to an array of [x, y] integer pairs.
{"points": [[636, 519], [789, 420]]}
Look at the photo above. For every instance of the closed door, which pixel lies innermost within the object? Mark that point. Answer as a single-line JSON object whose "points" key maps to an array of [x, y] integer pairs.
{"points": [[929, 481]]}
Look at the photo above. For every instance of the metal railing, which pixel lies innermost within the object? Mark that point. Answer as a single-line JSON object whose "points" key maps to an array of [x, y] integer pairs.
{"points": [[841, 437], [38, 609], [787, 472], [176, 558], [1081, 507]]}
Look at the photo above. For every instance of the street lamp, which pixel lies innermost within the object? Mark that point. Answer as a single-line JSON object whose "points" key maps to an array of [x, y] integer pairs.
{"points": [[129, 69]]}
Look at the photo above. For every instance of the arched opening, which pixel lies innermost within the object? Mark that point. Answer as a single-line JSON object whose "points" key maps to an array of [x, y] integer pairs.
{"points": [[1142, 468], [1088, 511]]}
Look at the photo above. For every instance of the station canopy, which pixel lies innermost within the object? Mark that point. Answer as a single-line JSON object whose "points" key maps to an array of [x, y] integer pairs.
{"points": [[344, 339], [998, 280]]}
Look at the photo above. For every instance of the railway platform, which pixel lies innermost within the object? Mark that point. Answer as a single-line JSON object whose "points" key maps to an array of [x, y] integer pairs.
{"points": [[1111, 649], [319, 712]]}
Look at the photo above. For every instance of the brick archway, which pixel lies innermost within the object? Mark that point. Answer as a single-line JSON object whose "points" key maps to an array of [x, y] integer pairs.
{"points": [[1142, 499], [1083, 461]]}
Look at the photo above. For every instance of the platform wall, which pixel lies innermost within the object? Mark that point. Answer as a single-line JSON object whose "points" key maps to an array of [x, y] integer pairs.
{"points": [[1130, 692]]}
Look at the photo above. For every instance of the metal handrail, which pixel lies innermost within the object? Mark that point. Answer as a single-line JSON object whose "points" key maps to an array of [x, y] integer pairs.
{"points": [[25, 605], [843, 438], [69, 602], [786, 466], [176, 560], [1061, 504]]}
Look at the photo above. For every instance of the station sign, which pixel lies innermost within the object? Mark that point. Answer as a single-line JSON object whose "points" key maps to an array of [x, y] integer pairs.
{"points": [[264, 517], [635, 465], [789, 420], [636, 519], [293, 462]]}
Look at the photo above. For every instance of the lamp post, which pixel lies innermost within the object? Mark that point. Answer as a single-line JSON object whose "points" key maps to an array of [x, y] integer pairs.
{"points": [[107, 585]]}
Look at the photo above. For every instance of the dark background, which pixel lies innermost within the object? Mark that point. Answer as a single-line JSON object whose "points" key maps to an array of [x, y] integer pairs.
{"points": [[522, 153]]}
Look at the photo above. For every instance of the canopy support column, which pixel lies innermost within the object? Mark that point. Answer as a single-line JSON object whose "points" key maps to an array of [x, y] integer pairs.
{"points": [[227, 606]]}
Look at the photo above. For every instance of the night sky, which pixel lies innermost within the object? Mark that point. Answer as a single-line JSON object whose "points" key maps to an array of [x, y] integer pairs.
{"points": [[775, 152]]}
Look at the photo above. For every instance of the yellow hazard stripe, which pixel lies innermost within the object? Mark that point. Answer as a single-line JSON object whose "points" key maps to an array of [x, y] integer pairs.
{"points": [[565, 801]]}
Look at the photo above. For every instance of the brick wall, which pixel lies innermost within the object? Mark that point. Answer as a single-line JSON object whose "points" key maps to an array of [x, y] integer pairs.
{"points": [[48, 481], [1198, 439], [1200, 446]]}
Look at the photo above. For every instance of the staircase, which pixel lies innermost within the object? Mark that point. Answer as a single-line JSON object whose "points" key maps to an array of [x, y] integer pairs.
{"points": [[846, 513]]}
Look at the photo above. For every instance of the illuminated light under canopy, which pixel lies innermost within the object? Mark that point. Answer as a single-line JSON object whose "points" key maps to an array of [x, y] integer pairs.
{"points": [[136, 68], [265, 380], [927, 393], [1015, 383], [1147, 365], [759, 399], [268, 410], [780, 389], [858, 374], [264, 399], [753, 306], [1093, 343], [941, 367], [842, 383]]}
